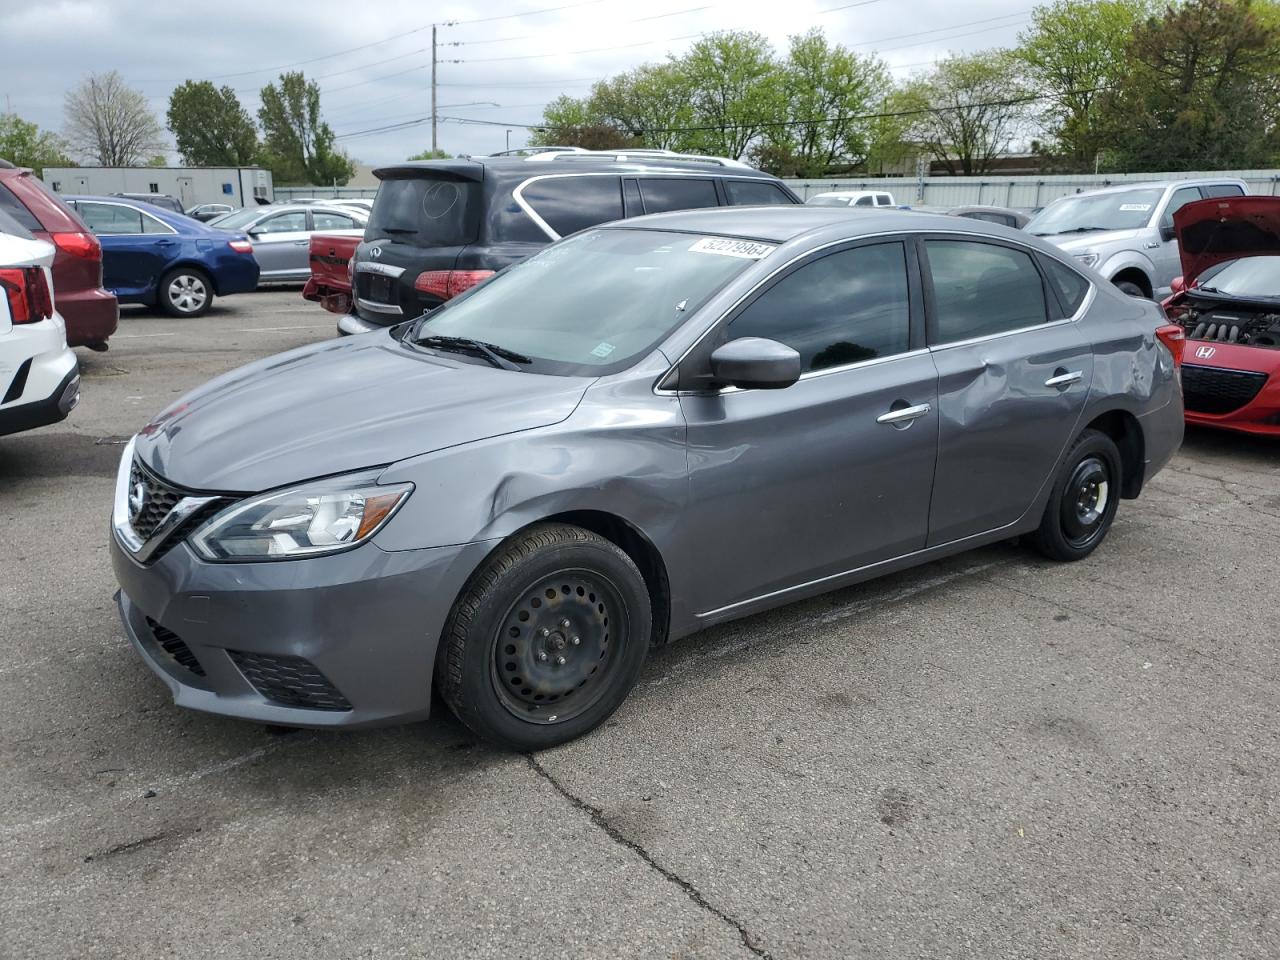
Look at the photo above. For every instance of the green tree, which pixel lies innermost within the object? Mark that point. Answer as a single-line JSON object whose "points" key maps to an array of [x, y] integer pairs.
{"points": [[968, 111], [829, 93], [25, 145], [651, 104], [297, 145], [572, 122], [111, 124], [736, 90], [210, 126], [1200, 89], [430, 154], [1073, 53]]}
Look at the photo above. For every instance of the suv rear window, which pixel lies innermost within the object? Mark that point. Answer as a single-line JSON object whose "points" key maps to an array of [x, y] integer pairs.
{"points": [[14, 208], [426, 211], [661, 195], [570, 204]]}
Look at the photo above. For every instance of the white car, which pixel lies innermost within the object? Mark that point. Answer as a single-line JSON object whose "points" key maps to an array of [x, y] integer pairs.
{"points": [[852, 198], [39, 377]]}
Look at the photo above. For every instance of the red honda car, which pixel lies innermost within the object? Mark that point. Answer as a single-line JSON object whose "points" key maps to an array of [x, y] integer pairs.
{"points": [[1228, 302], [91, 313]]}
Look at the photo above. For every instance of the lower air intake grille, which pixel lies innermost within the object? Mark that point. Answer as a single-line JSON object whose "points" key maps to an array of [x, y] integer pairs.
{"points": [[178, 651], [289, 681], [1213, 390]]}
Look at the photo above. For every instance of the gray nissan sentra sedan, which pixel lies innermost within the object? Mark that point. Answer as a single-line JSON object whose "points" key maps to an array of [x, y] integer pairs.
{"points": [[645, 429]]}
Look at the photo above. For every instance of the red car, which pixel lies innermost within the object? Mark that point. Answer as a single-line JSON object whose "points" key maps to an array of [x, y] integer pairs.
{"points": [[1228, 302], [90, 312]]}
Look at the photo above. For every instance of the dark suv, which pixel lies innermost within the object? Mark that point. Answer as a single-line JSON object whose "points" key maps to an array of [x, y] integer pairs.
{"points": [[439, 227]]}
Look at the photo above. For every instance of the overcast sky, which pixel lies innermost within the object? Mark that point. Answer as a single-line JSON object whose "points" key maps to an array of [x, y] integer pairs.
{"points": [[516, 62]]}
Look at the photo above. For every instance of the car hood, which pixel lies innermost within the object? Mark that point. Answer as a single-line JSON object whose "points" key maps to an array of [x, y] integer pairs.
{"points": [[339, 406], [1083, 242], [1226, 228]]}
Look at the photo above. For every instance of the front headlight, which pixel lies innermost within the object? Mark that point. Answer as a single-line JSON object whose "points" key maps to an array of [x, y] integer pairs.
{"points": [[1088, 259], [304, 521]]}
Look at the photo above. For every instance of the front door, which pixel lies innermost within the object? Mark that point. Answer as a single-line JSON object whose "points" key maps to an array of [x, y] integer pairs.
{"points": [[1013, 376], [1165, 252], [834, 472], [280, 245]]}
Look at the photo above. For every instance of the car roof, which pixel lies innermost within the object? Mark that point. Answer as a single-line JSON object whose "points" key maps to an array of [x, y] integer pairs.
{"points": [[780, 223], [1155, 185], [853, 193], [476, 168]]}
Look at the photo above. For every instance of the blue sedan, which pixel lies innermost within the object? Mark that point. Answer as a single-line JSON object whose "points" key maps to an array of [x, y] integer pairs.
{"points": [[153, 256]]}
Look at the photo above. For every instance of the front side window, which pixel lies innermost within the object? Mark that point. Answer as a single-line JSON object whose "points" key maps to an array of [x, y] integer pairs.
{"points": [[755, 193], [570, 204], [1181, 197], [842, 308], [662, 194], [863, 202], [981, 289], [595, 302], [110, 219]]}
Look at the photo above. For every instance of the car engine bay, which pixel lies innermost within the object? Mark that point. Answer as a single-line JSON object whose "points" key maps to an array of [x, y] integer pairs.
{"points": [[1244, 327]]}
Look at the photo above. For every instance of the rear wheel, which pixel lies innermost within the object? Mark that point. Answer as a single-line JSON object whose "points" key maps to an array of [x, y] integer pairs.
{"points": [[546, 640], [1083, 501], [186, 292]]}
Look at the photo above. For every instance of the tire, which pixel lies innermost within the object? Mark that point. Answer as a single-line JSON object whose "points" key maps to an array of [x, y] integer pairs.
{"points": [[1083, 501], [509, 668], [185, 292], [1131, 288]]}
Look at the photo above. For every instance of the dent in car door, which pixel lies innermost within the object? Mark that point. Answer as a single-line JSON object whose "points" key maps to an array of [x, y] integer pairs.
{"points": [[1012, 383], [834, 472]]}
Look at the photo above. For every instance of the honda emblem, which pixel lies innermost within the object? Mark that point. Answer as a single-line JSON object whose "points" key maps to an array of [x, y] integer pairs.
{"points": [[1205, 353]]}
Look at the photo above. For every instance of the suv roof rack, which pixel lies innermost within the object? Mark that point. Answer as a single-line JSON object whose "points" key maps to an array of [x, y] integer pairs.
{"points": [[624, 156]]}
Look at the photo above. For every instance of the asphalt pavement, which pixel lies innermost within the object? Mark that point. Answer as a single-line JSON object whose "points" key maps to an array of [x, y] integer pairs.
{"points": [[993, 756]]}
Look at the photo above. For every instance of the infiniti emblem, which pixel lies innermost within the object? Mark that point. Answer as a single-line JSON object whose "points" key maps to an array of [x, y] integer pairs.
{"points": [[375, 252], [137, 499]]}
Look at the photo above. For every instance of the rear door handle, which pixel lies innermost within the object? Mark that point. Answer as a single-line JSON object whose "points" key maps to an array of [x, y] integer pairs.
{"points": [[905, 414], [1065, 379]]}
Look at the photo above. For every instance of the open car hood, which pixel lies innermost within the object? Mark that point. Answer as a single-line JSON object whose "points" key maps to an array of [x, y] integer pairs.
{"points": [[1226, 228]]}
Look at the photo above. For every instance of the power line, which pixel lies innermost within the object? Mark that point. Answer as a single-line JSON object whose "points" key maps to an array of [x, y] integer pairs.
{"points": [[955, 36], [570, 53], [954, 26]]}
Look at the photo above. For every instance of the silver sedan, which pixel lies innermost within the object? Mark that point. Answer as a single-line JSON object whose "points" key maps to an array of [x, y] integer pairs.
{"points": [[281, 235]]}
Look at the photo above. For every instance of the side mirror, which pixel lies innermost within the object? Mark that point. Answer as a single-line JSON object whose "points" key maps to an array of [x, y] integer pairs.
{"points": [[1167, 232], [754, 363], [255, 234], [1179, 285]]}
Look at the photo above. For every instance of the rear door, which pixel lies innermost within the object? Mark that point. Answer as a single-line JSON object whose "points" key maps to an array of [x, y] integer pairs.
{"points": [[135, 248], [661, 194], [280, 245], [1013, 376]]}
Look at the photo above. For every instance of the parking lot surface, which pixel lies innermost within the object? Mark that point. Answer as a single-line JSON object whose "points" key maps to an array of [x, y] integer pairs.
{"points": [[993, 756]]}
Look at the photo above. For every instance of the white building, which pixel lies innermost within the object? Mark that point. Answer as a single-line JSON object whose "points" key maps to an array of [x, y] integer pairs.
{"points": [[237, 186]]}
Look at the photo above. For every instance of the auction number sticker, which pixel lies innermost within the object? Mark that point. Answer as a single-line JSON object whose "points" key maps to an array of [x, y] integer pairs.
{"points": [[1135, 207], [746, 249]]}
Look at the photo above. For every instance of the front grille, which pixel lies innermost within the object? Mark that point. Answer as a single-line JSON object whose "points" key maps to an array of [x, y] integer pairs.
{"points": [[289, 681], [158, 499], [178, 651], [1213, 390]]}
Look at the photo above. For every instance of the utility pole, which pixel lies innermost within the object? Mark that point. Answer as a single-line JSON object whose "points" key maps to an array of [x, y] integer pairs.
{"points": [[433, 88]]}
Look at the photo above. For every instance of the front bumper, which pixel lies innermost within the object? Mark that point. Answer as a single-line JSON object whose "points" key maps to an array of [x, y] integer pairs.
{"points": [[365, 622], [350, 323]]}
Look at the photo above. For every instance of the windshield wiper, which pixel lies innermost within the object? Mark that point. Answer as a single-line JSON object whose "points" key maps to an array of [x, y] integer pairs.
{"points": [[500, 357], [1058, 233]]}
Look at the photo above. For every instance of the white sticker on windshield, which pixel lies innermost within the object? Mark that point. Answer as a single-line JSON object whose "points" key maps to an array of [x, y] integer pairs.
{"points": [[1135, 207], [747, 249], [603, 349]]}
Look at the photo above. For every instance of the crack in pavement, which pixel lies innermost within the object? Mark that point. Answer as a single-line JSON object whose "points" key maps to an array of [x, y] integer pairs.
{"points": [[600, 820]]}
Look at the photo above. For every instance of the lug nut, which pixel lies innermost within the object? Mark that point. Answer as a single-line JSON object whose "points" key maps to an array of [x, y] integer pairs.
{"points": [[559, 661], [575, 640], [544, 632], [564, 624], [542, 655]]}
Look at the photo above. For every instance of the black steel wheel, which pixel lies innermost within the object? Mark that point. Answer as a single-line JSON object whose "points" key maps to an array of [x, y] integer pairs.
{"points": [[546, 639], [1083, 501]]}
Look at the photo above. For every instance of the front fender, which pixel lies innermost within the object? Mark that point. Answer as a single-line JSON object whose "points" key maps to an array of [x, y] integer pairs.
{"points": [[1115, 264]]}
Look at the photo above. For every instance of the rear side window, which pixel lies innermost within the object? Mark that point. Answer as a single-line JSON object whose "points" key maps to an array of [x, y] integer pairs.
{"points": [[427, 211], [884, 200], [842, 308], [677, 194], [1222, 190], [110, 219], [570, 204], [981, 289], [755, 193], [333, 221], [14, 208], [1069, 286]]}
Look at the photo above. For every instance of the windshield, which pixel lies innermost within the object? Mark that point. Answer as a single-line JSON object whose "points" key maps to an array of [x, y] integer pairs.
{"points": [[595, 302], [1246, 277], [828, 202], [236, 219], [1125, 210]]}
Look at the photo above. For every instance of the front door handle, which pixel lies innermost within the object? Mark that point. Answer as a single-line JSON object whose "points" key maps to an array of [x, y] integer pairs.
{"points": [[1065, 379], [904, 415]]}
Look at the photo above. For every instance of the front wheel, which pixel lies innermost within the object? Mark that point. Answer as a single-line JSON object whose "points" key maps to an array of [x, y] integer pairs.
{"points": [[1131, 289], [547, 638], [1083, 500], [186, 292]]}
